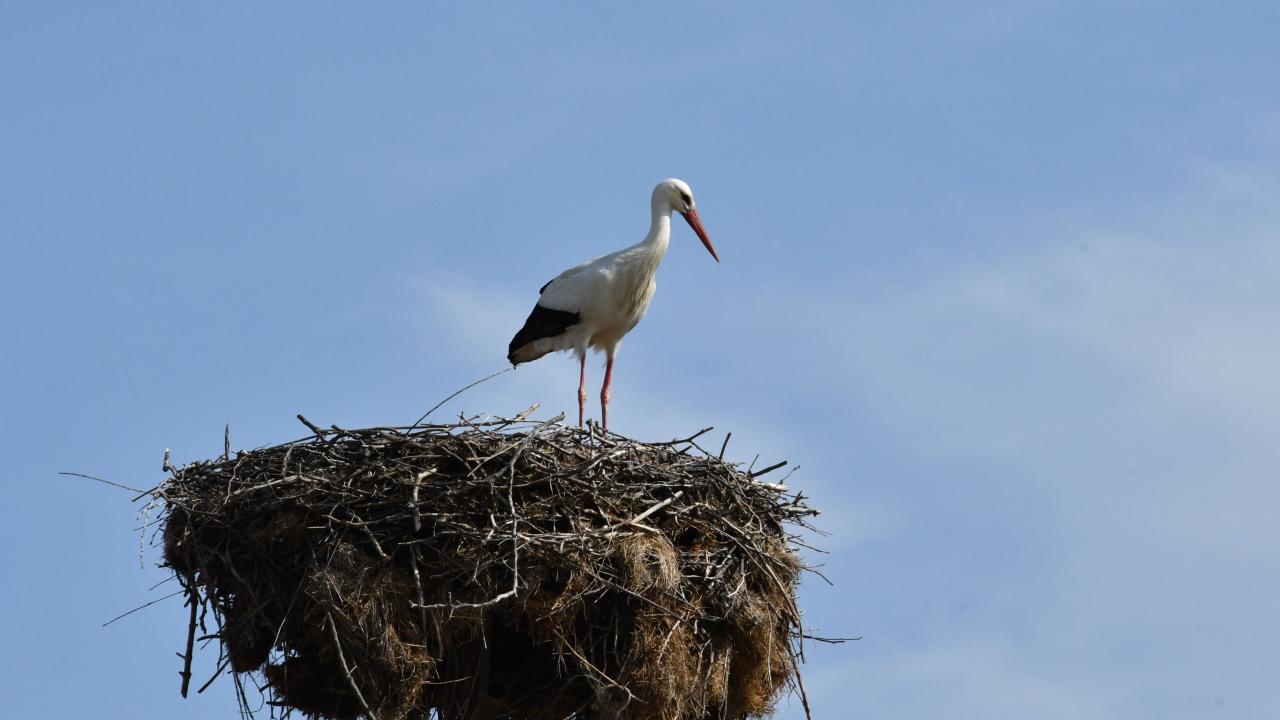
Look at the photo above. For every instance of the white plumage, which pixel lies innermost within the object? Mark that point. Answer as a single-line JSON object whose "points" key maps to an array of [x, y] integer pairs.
{"points": [[595, 304]]}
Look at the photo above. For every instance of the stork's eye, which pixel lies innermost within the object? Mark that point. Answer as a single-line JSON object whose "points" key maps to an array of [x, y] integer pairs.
{"points": [[685, 197]]}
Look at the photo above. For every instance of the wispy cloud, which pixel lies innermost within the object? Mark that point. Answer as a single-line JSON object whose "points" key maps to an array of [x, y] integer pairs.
{"points": [[1174, 308]]}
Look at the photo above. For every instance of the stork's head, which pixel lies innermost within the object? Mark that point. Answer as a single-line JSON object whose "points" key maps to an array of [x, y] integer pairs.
{"points": [[678, 196]]}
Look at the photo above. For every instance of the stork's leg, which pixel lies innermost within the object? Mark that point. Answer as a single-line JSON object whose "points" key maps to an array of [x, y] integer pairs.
{"points": [[604, 393], [582, 386]]}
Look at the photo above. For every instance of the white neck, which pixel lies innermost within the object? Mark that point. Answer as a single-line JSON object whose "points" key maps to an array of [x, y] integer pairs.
{"points": [[659, 227]]}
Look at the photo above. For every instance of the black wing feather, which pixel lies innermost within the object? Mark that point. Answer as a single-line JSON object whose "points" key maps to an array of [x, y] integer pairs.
{"points": [[542, 323]]}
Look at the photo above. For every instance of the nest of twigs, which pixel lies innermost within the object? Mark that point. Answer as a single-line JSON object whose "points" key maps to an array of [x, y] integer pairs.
{"points": [[497, 569]]}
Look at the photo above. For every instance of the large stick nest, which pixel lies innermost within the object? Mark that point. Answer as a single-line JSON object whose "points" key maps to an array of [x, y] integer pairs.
{"points": [[497, 569]]}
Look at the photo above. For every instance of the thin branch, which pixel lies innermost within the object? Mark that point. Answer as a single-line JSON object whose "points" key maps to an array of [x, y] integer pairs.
{"points": [[140, 607], [311, 426], [456, 394], [221, 666], [337, 644], [193, 600], [829, 640], [637, 519], [804, 696], [767, 470], [104, 482], [682, 441]]}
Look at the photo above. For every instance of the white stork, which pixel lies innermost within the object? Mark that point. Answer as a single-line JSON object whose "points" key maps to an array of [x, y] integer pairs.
{"points": [[598, 302]]}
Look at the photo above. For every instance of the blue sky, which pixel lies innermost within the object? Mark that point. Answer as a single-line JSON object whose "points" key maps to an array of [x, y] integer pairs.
{"points": [[999, 276]]}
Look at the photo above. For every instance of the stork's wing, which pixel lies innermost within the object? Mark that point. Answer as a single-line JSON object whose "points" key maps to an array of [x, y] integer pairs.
{"points": [[575, 289], [559, 308], [572, 293], [567, 273]]}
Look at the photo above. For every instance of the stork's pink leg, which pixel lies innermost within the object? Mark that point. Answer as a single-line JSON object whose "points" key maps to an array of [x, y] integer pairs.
{"points": [[582, 386], [604, 393]]}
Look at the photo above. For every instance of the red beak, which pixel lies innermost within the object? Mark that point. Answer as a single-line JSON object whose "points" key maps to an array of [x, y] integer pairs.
{"points": [[696, 224]]}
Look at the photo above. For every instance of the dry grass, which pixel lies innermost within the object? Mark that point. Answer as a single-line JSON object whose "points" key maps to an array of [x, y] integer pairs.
{"points": [[500, 569]]}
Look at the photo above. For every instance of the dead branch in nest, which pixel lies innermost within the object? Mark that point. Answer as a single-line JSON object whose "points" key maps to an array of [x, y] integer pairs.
{"points": [[507, 567]]}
